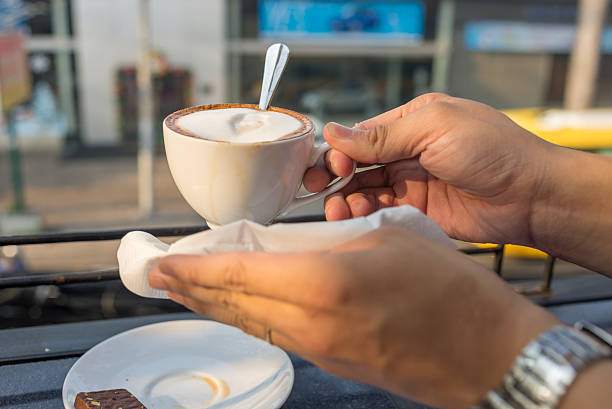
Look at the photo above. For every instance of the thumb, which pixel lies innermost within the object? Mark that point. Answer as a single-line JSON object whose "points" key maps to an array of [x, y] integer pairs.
{"points": [[403, 138]]}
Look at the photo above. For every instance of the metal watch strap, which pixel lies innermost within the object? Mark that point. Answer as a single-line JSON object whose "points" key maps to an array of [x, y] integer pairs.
{"points": [[547, 366]]}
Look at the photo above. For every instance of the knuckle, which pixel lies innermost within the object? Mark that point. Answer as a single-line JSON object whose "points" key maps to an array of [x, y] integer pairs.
{"points": [[339, 293], [191, 275], [227, 299], [440, 108], [335, 293], [312, 314], [321, 344], [243, 323], [336, 288], [167, 263], [252, 331], [180, 266], [234, 276], [189, 303], [435, 96], [234, 320], [377, 138], [198, 308], [328, 160], [423, 100]]}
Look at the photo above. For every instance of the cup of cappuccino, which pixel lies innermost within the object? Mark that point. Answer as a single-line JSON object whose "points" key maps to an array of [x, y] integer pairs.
{"points": [[234, 161]]}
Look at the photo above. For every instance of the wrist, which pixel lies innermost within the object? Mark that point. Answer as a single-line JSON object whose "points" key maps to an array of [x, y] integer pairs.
{"points": [[524, 322], [513, 322], [549, 197], [570, 215]]}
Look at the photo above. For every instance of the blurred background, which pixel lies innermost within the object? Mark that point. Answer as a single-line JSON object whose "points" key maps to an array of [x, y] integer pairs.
{"points": [[86, 84]]}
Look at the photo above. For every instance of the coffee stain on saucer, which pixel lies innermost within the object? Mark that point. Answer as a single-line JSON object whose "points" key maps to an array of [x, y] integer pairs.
{"points": [[220, 389], [218, 386]]}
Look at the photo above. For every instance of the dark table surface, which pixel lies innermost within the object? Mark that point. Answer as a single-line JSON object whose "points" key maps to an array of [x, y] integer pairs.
{"points": [[35, 360]]}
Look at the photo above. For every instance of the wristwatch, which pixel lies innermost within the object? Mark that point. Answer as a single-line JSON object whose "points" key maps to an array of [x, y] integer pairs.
{"points": [[547, 366]]}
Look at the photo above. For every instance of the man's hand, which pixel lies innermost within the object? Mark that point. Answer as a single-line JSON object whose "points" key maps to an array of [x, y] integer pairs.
{"points": [[390, 309], [476, 173], [467, 166]]}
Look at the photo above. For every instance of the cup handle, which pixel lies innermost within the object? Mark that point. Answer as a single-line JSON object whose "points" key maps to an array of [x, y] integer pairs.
{"points": [[317, 157]]}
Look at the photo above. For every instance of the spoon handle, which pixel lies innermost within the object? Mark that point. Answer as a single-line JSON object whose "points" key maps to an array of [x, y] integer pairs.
{"points": [[276, 60]]}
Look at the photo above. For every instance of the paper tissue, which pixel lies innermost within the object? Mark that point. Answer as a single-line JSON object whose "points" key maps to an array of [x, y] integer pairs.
{"points": [[140, 252]]}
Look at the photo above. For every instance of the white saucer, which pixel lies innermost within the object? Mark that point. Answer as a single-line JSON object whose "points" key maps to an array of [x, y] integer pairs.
{"points": [[191, 364]]}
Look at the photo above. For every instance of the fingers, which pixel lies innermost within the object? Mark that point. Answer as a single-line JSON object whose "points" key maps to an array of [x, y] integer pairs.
{"points": [[381, 139], [252, 273], [404, 138], [299, 329], [316, 179], [266, 311], [409, 169], [309, 340], [376, 177], [359, 204], [386, 176], [398, 183], [367, 201], [368, 192], [251, 314], [336, 207], [407, 131], [403, 110], [245, 323], [337, 163]]}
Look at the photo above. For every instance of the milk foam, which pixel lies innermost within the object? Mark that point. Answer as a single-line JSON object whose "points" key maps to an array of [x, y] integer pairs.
{"points": [[239, 125]]}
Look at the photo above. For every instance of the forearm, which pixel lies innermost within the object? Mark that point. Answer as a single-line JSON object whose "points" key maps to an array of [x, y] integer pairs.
{"points": [[591, 389], [572, 216]]}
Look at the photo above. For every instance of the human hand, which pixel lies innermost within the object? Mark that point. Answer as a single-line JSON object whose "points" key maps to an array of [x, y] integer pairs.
{"points": [[467, 166], [390, 309]]}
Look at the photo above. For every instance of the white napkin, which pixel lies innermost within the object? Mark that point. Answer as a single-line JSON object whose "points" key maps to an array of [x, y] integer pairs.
{"points": [[140, 252]]}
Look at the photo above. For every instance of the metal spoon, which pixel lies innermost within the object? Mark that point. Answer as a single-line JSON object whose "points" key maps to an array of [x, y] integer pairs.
{"points": [[276, 60]]}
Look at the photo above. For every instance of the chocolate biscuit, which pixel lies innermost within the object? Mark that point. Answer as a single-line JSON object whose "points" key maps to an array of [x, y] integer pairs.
{"points": [[110, 399]]}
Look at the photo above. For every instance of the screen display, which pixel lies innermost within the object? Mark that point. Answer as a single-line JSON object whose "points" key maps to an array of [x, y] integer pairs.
{"points": [[347, 19]]}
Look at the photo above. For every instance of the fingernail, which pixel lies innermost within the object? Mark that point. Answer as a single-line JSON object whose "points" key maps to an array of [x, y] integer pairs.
{"points": [[340, 131], [157, 280]]}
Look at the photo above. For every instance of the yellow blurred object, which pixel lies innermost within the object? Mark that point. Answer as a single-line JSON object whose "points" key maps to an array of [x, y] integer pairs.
{"points": [[517, 251], [585, 130]]}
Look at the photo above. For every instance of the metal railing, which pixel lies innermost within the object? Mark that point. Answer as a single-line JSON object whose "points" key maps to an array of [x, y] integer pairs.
{"points": [[542, 288], [540, 291], [20, 279]]}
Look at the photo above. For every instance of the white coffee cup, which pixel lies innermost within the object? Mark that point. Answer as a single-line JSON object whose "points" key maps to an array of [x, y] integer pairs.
{"points": [[225, 181]]}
